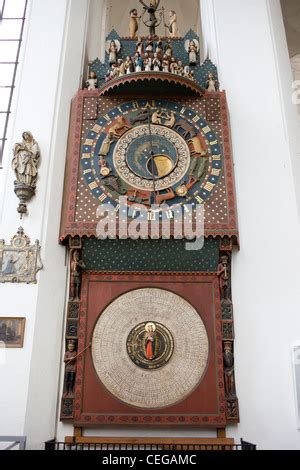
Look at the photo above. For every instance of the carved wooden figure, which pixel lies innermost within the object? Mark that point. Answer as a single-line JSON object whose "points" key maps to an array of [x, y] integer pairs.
{"points": [[92, 81], [228, 358], [134, 23], [71, 368], [77, 266], [223, 273]]}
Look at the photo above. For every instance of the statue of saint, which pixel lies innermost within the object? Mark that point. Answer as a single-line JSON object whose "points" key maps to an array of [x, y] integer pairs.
{"points": [[150, 341], [113, 48], [92, 81], [25, 160]]}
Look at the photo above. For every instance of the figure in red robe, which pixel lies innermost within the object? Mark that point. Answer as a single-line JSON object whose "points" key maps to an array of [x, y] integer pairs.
{"points": [[150, 341]]}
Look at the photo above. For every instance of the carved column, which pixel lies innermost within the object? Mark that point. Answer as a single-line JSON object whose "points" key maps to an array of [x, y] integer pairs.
{"points": [[76, 267], [224, 272]]}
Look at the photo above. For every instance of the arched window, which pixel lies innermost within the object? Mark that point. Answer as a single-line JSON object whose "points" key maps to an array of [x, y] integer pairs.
{"points": [[12, 19]]}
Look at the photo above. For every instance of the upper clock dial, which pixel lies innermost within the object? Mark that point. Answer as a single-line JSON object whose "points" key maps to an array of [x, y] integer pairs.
{"points": [[152, 152]]}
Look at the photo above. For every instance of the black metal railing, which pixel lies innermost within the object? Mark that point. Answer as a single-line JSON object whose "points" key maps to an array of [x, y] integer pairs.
{"points": [[59, 446]]}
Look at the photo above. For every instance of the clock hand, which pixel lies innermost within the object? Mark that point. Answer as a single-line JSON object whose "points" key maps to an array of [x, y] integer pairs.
{"points": [[152, 155]]}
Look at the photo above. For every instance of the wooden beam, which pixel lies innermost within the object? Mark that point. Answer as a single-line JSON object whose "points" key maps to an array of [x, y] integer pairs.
{"points": [[150, 440]]}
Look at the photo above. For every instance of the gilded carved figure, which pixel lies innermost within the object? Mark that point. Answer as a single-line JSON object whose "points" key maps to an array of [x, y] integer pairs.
{"points": [[192, 47]]}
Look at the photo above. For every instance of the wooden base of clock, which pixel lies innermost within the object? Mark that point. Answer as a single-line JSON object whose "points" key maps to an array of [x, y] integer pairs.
{"points": [[167, 443], [101, 398]]}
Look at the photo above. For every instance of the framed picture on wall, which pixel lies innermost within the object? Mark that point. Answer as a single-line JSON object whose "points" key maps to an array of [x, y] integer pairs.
{"points": [[12, 331]]}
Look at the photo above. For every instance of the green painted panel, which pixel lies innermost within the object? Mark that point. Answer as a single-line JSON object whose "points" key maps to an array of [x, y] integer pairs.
{"points": [[149, 255]]}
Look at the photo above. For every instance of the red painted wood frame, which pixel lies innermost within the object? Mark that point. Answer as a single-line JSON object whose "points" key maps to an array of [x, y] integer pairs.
{"points": [[205, 406]]}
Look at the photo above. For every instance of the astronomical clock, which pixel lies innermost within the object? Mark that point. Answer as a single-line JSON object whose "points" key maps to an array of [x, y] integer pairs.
{"points": [[149, 334]]}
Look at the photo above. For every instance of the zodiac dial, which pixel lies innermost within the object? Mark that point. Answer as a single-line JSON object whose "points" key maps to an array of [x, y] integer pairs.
{"points": [[152, 152]]}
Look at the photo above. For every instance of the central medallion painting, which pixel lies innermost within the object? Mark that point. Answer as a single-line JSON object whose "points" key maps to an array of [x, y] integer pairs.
{"points": [[150, 345]]}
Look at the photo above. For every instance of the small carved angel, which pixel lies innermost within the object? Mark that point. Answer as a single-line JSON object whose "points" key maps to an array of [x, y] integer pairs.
{"points": [[113, 48], [92, 81], [212, 84], [192, 47]]}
